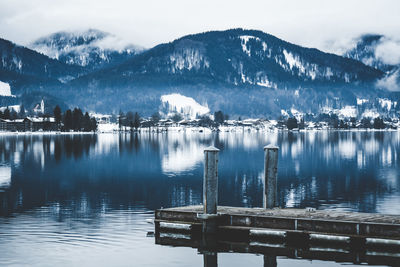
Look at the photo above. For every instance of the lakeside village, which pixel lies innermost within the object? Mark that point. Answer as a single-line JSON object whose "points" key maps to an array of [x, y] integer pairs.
{"points": [[17, 119]]}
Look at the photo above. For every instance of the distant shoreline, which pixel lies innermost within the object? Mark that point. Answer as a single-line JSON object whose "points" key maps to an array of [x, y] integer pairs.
{"points": [[205, 130]]}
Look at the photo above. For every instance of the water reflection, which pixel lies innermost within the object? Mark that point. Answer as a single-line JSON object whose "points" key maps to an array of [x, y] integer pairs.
{"points": [[5, 177], [85, 174]]}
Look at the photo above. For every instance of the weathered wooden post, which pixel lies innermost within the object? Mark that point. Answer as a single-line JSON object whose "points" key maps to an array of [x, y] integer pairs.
{"points": [[210, 182], [210, 194], [270, 261], [210, 259], [270, 177]]}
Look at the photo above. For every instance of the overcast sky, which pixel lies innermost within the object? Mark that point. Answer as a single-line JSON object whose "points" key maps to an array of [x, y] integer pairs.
{"points": [[315, 23]]}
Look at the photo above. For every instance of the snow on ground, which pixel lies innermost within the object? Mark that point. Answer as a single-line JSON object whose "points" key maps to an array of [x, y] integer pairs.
{"points": [[386, 103], [361, 101], [284, 113], [245, 39], [5, 89], [266, 83], [187, 106], [16, 108], [297, 114], [370, 113], [107, 127], [293, 61], [348, 112]]}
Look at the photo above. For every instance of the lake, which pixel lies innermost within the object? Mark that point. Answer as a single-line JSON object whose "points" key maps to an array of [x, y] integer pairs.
{"points": [[85, 199]]}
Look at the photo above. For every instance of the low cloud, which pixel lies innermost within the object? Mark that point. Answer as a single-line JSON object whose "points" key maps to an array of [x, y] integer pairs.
{"points": [[391, 82], [339, 46], [388, 51], [112, 42]]}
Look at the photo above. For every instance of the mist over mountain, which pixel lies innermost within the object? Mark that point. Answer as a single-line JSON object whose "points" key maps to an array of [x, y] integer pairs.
{"points": [[380, 52], [242, 72], [91, 49]]}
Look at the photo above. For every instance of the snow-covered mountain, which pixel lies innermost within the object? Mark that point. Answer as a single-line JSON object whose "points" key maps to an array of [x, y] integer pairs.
{"points": [[241, 72], [92, 49], [241, 57], [22, 67]]}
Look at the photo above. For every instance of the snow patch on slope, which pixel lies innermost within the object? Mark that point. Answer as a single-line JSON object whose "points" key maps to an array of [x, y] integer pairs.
{"points": [[245, 39], [5, 89], [361, 101], [387, 103], [186, 106], [188, 59], [293, 61]]}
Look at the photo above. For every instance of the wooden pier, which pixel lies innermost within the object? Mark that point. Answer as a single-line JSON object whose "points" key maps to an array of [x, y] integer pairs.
{"points": [[326, 235]]}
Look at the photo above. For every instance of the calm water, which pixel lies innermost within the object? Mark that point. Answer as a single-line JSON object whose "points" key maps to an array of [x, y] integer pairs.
{"points": [[83, 200]]}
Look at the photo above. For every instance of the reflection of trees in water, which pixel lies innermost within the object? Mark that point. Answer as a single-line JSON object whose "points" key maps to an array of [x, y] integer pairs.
{"points": [[337, 169], [129, 142], [77, 145], [315, 169]]}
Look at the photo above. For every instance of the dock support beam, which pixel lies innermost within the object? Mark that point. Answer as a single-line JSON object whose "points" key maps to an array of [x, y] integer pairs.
{"points": [[271, 172]]}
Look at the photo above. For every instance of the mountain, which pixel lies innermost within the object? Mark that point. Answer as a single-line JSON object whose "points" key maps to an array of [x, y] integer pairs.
{"points": [[91, 49], [19, 61], [23, 70], [240, 71], [240, 57]]}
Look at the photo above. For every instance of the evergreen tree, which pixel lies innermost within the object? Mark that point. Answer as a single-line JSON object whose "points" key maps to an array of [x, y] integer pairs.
{"points": [[77, 117], [302, 124], [93, 124], [366, 123], [378, 123], [334, 121], [129, 119], [155, 118], [57, 115], [68, 120], [121, 119], [291, 123], [21, 111], [205, 121], [13, 114], [136, 120], [226, 117], [177, 117], [6, 114], [86, 123], [219, 117]]}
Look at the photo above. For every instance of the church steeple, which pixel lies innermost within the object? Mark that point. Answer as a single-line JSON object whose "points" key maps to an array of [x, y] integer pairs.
{"points": [[42, 106]]}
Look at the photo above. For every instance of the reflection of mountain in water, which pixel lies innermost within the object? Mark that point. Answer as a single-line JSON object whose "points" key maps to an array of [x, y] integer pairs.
{"points": [[83, 175], [5, 177]]}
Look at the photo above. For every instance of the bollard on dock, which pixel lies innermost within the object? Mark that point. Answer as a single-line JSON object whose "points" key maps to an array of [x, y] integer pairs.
{"points": [[271, 173], [210, 182], [210, 192]]}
